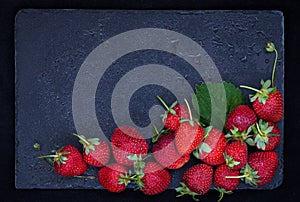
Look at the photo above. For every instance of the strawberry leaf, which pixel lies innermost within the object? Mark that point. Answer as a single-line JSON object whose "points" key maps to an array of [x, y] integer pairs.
{"points": [[208, 95]]}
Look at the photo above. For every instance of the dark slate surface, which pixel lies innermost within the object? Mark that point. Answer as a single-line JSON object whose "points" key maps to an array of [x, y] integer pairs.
{"points": [[51, 45]]}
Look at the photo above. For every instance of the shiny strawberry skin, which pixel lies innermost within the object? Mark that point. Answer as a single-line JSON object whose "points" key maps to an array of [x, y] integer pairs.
{"points": [[156, 179], [172, 121], [74, 164], [165, 153], [198, 178], [99, 157], [266, 164], [241, 117], [108, 177], [188, 137], [273, 140], [239, 152], [272, 110], [221, 181], [217, 142], [125, 141]]}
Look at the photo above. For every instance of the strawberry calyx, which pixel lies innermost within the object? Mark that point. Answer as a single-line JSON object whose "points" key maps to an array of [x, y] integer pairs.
{"points": [[222, 192], [59, 157], [249, 175], [168, 109], [235, 134], [203, 146], [263, 94], [230, 161], [137, 175], [158, 134], [88, 143], [262, 132], [184, 190]]}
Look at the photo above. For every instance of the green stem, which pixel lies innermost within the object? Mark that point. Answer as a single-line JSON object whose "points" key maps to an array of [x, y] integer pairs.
{"points": [[48, 156], [236, 177], [250, 88], [165, 105], [85, 177], [188, 106], [82, 139], [221, 196], [259, 131], [274, 66]]}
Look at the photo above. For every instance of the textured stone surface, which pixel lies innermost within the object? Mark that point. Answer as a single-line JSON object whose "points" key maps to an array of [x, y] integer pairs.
{"points": [[51, 45]]}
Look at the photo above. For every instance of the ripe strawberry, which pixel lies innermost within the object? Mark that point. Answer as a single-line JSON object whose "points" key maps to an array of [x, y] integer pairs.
{"points": [[260, 169], [241, 117], [110, 177], [196, 180], [211, 149], [236, 155], [68, 161], [165, 153], [267, 102], [174, 113], [156, 179], [125, 141], [189, 135], [96, 152], [225, 185], [266, 135]]}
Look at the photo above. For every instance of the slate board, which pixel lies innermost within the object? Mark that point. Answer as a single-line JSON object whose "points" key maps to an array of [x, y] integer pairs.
{"points": [[51, 46]]}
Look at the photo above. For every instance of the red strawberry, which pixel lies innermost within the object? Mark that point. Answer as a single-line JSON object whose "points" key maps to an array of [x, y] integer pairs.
{"points": [[96, 152], [266, 135], [241, 117], [68, 161], [174, 113], [267, 102], [196, 180], [236, 155], [156, 179], [165, 153], [125, 141], [211, 150], [271, 109], [260, 169], [110, 177], [189, 135], [225, 185]]}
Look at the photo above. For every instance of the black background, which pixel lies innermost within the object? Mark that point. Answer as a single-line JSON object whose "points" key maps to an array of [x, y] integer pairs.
{"points": [[287, 191]]}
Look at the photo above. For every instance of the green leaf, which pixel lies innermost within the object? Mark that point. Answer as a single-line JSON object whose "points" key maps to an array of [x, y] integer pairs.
{"points": [[250, 142], [221, 97], [205, 147]]}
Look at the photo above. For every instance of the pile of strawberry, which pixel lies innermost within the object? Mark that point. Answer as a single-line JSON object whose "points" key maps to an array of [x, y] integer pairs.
{"points": [[224, 157]]}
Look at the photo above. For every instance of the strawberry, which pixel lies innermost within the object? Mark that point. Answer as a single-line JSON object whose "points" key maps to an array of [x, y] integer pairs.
{"points": [[165, 153], [156, 179], [189, 135], [225, 185], [236, 155], [241, 117], [173, 114], [68, 161], [266, 135], [110, 177], [127, 140], [196, 180], [96, 152], [267, 102], [211, 149], [260, 169]]}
